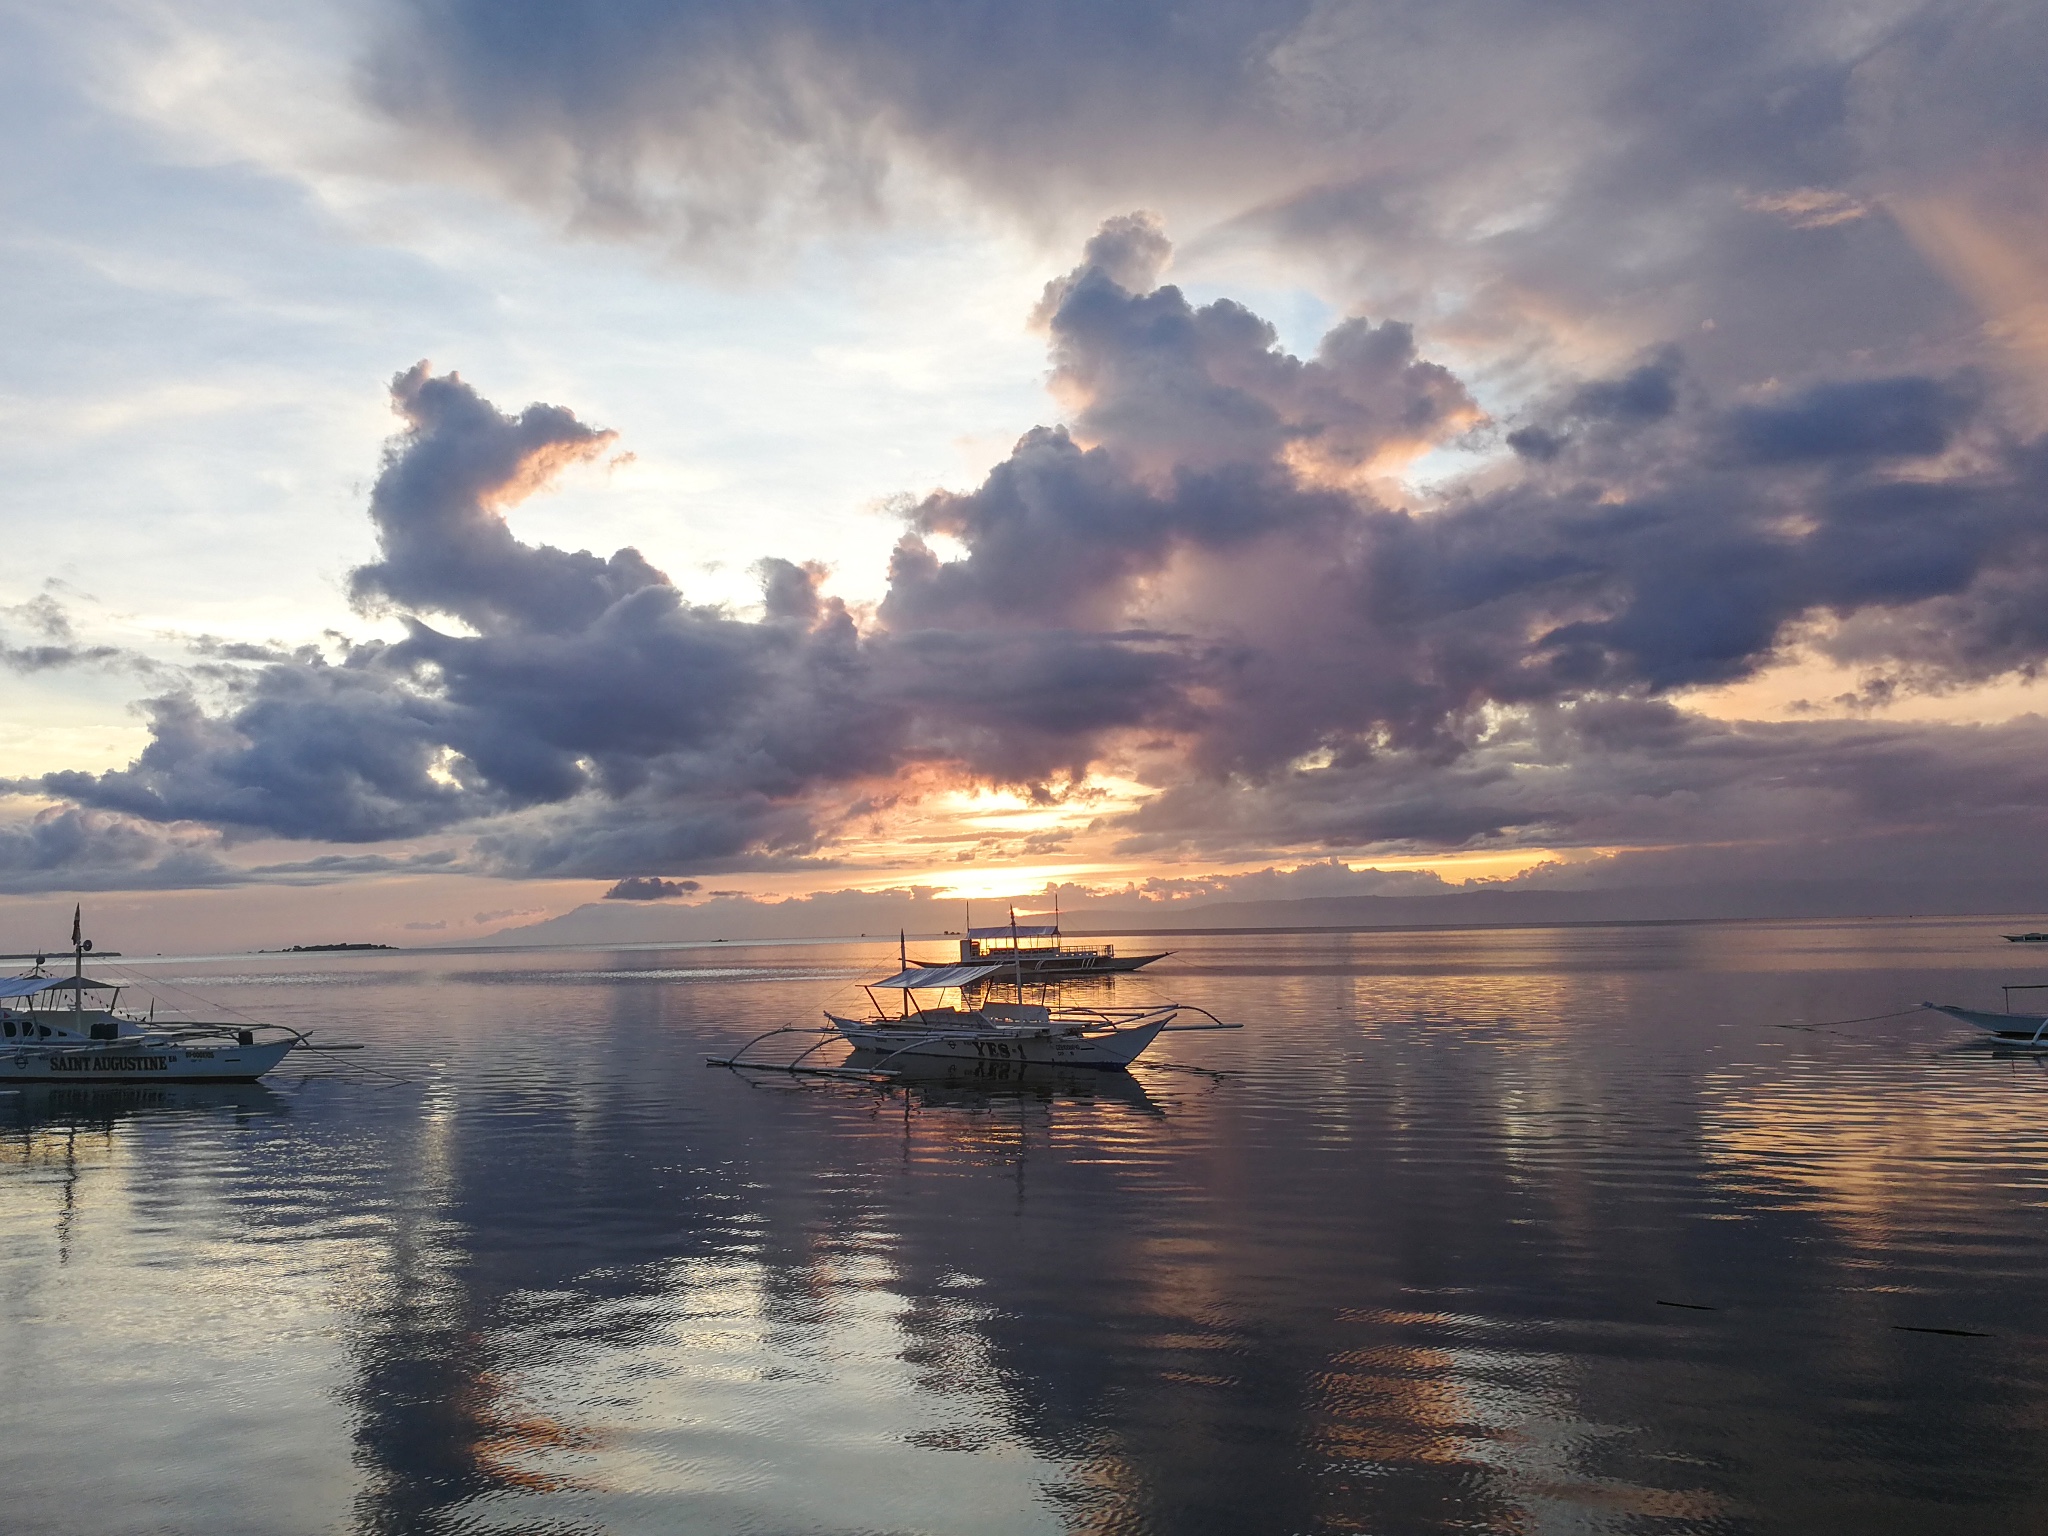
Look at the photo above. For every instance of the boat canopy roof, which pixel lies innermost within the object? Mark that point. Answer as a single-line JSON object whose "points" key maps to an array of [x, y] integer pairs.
{"points": [[1022, 931], [29, 986], [934, 977]]}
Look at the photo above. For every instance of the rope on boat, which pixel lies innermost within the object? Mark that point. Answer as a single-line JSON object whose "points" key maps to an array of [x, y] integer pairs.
{"points": [[151, 983], [1868, 1018], [1896, 1013], [302, 1041]]}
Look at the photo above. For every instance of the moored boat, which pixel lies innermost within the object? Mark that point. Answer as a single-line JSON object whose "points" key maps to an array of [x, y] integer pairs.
{"points": [[71, 1029], [933, 1018], [1030, 945], [2006, 1026], [1037, 1033]]}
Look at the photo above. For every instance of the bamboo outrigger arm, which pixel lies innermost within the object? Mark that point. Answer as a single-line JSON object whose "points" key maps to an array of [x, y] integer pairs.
{"points": [[1182, 1029]]}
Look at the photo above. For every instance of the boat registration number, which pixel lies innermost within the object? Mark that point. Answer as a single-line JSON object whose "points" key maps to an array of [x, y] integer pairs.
{"points": [[996, 1048]]}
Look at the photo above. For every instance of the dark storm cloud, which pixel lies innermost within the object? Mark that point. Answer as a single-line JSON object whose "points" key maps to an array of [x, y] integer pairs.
{"points": [[1197, 562], [66, 848], [1644, 394], [1659, 542], [643, 733], [650, 888], [1170, 386], [583, 674], [703, 120], [438, 508], [1588, 168], [1863, 419], [1632, 772]]}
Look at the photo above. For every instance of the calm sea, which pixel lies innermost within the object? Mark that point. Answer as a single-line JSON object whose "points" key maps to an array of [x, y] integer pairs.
{"points": [[1564, 1230]]}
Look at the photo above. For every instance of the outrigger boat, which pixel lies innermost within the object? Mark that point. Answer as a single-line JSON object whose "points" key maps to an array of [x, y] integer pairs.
{"points": [[69, 1029], [1036, 948], [953, 1029], [2031, 1027]]}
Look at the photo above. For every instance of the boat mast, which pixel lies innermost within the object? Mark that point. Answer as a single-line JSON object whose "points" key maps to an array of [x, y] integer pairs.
{"points": [[77, 973], [903, 964], [1016, 955]]}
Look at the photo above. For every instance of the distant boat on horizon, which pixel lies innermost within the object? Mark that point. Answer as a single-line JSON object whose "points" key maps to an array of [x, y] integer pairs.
{"points": [[2026, 938], [1030, 946]]}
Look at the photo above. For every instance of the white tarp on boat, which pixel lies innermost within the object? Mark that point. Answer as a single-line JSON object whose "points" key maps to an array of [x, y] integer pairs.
{"points": [[1022, 931], [932, 977], [29, 986]]}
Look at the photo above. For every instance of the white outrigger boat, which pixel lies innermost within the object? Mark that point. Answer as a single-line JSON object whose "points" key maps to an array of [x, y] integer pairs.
{"points": [[1037, 948], [70, 1029], [1019, 1033], [2030, 1027]]}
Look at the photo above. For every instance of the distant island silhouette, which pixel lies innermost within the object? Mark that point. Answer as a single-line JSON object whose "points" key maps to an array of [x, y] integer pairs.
{"points": [[321, 949]]}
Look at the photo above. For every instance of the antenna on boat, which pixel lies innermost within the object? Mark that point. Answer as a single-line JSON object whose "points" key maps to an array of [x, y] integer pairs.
{"points": [[79, 945], [1016, 955], [903, 964]]}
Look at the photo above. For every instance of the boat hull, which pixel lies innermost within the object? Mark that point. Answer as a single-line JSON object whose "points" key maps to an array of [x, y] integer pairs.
{"points": [[1109, 1050], [1042, 967], [2007, 1026], [122, 1062]]}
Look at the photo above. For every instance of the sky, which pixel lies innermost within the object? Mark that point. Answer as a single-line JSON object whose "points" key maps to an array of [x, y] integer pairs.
{"points": [[463, 461]]}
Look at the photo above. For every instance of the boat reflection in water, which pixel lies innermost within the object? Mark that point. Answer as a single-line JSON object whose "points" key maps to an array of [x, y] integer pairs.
{"points": [[972, 1084], [953, 1013], [32, 1106], [1405, 1265]]}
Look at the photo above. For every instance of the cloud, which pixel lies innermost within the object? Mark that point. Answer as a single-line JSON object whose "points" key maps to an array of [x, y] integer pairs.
{"points": [[57, 646], [1194, 580], [499, 914], [1580, 179], [1620, 773], [653, 732], [65, 848], [1809, 207], [650, 888], [1861, 419], [342, 866], [1170, 387], [1328, 877], [439, 512], [703, 122]]}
